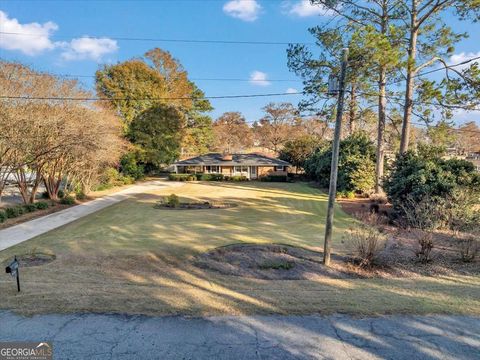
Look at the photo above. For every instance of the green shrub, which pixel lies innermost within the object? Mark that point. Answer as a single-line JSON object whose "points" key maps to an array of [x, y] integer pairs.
{"points": [[356, 170], [125, 180], [211, 177], [346, 194], [129, 165], [173, 201], [239, 178], [110, 176], [14, 211], [182, 177], [61, 194], [29, 208], [421, 175], [80, 195], [277, 265], [41, 205], [102, 187], [3, 216], [350, 195], [68, 200], [45, 195], [274, 178]]}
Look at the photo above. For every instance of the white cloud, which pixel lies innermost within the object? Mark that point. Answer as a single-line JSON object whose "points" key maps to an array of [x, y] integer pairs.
{"points": [[291, 91], [463, 56], [246, 10], [88, 48], [304, 8], [259, 78], [37, 40]]}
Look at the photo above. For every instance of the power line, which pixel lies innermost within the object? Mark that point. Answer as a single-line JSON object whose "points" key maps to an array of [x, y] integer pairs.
{"points": [[193, 79], [52, 98], [281, 80], [192, 41], [145, 99]]}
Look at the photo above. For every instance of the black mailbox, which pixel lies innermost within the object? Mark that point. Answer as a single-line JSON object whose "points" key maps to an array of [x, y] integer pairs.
{"points": [[12, 269]]}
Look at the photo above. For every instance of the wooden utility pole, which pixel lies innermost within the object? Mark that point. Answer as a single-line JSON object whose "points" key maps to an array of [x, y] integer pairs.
{"points": [[335, 153]]}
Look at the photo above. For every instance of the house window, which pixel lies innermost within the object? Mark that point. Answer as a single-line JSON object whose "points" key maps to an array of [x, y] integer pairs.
{"points": [[279, 168], [212, 169], [240, 169]]}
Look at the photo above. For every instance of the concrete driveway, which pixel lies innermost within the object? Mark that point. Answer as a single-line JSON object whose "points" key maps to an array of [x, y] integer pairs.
{"points": [[19, 233], [96, 336]]}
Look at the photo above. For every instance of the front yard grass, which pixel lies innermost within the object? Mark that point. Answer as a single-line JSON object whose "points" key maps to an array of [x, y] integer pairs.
{"points": [[133, 258]]}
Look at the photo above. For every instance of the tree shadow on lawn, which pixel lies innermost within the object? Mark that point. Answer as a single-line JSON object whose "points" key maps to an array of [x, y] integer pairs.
{"points": [[264, 220], [302, 190]]}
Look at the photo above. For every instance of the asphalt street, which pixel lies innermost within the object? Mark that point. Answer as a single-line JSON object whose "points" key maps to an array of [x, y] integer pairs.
{"points": [[109, 336]]}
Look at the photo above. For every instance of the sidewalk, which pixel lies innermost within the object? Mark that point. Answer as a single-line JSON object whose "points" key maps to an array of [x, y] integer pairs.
{"points": [[19, 233]]}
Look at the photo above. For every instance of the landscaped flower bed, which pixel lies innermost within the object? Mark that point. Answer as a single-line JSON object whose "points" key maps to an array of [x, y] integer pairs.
{"points": [[173, 202]]}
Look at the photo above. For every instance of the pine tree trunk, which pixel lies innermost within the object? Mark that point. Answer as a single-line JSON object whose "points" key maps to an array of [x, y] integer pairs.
{"points": [[353, 108], [412, 54], [382, 109]]}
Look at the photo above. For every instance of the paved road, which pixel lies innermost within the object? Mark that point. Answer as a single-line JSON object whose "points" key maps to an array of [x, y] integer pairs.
{"points": [[96, 336], [19, 233]]}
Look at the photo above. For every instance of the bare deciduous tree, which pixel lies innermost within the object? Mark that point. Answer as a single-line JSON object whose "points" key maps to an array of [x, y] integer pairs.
{"points": [[276, 126], [47, 136], [232, 133]]}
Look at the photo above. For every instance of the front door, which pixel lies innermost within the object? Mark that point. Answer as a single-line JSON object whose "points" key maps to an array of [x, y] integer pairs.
{"points": [[253, 172]]}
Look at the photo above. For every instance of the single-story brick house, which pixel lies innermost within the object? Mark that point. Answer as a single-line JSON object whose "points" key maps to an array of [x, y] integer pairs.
{"points": [[253, 166]]}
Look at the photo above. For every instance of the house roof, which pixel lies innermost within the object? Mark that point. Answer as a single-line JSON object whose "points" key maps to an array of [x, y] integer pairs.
{"points": [[237, 159]]}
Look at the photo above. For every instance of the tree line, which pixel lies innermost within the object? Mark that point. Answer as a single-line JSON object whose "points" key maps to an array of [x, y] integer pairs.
{"points": [[394, 45]]}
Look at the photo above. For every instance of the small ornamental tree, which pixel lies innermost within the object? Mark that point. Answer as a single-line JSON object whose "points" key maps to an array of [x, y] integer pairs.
{"points": [[298, 150]]}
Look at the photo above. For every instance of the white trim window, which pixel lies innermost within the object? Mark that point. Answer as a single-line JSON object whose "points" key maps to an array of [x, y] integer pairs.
{"points": [[213, 169], [240, 170], [279, 168]]}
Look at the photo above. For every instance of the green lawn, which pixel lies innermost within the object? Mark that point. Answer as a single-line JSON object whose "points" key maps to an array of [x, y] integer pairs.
{"points": [[132, 258]]}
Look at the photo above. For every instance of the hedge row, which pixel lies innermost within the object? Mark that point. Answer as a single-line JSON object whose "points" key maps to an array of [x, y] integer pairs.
{"points": [[14, 211], [206, 177], [274, 178]]}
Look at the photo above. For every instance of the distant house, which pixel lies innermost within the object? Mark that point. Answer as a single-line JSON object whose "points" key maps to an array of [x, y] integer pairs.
{"points": [[474, 158], [252, 166]]}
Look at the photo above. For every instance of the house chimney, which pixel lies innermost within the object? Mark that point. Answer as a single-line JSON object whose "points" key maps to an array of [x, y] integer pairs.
{"points": [[227, 157]]}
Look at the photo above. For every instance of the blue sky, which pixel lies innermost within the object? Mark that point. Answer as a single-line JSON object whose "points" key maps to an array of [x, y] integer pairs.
{"points": [[59, 22]]}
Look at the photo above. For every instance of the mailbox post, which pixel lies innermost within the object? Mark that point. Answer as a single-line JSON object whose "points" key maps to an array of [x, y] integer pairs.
{"points": [[13, 269]]}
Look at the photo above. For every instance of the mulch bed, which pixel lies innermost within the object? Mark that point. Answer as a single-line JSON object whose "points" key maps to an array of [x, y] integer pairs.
{"points": [[196, 206], [271, 262], [33, 215], [37, 259], [399, 255]]}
